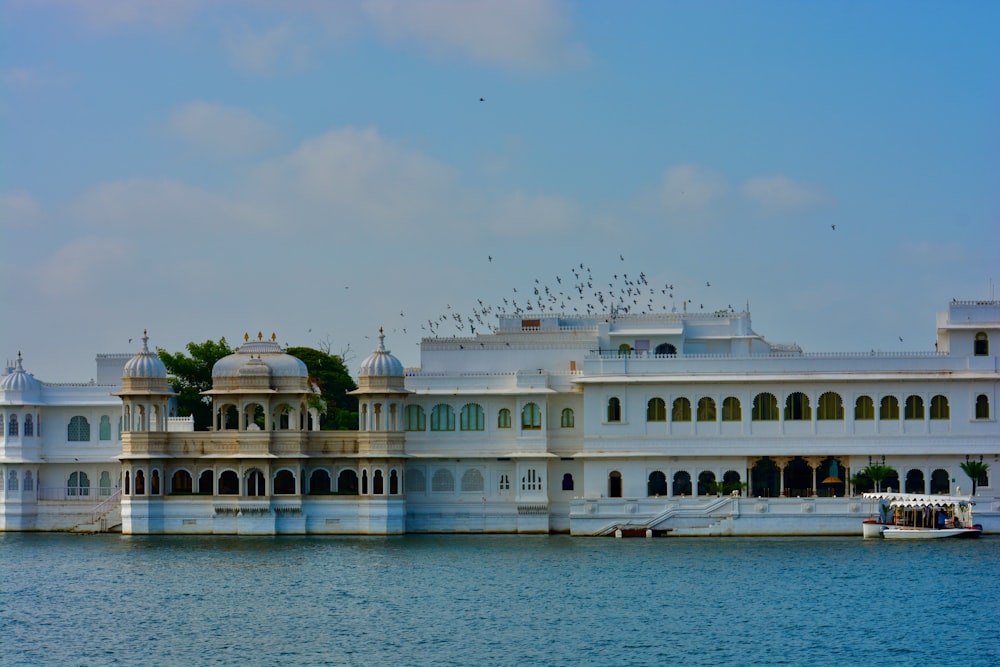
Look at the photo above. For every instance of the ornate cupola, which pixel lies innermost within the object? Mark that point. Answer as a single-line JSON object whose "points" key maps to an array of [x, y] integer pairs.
{"points": [[380, 390], [19, 386], [145, 391]]}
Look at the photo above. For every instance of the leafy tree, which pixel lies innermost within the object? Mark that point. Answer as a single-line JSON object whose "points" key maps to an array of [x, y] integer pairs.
{"points": [[976, 470], [191, 375], [878, 473], [338, 409]]}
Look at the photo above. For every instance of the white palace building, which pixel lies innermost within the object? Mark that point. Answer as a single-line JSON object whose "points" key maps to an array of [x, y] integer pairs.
{"points": [[679, 424]]}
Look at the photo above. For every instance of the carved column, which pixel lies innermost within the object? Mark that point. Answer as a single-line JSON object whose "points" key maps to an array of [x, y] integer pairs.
{"points": [[782, 463], [814, 463]]}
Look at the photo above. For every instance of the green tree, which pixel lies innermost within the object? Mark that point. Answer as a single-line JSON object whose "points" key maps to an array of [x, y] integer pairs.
{"points": [[878, 473], [338, 409], [191, 375], [976, 470]]}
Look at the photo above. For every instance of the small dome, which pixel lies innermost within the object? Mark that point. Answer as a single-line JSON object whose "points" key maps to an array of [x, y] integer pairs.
{"points": [[145, 364], [19, 380], [255, 367], [381, 363], [264, 352]]}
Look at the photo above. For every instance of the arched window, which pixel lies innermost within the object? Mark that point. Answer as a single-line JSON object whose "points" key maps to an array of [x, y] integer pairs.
{"points": [[472, 481], [731, 482], [731, 410], [255, 483], [888, 408], [347, 482], [284, 482], [940, 481], [442, 418], [443, 481], [614, 409], [682, 483], [128, 487], [503, 483], [830, 407], [531, 417], [414, 418], [78, 429], [154, 483], [981, 346], [864, 408], [105, 428], [982, 406], [13, 486], [656, 410], [914, 408], [181, 482], [415, 481], [797, 407], [567, 482], [706, 483], [320, 483], [939, 407], [915, 481], [566, 418], [472, 418], [681, 411], [378, 483], [665, 349], [657, 484], [503, 418], [229, 483], [12, 425], [140, 483], [531, 481], [29, 481], [614, 484], [206, 482], [765, 408], [105, 483], [393, 482], [29, 426], [706, 409]]}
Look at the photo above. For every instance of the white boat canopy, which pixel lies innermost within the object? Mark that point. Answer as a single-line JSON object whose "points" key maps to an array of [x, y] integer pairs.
{"points": [[919, 499]]}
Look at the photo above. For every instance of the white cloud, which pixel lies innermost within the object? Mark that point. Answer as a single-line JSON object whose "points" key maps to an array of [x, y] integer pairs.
{"points": [[359, 178], [687, 187], [166, 209], [521, 34], [84, 267], [109, 14], [19, 210], [780, 194], [519, 213], [273, 51], [230, 131]]}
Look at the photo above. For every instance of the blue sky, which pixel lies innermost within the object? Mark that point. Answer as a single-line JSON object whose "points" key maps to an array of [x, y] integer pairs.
{"points": [[318, 170]]}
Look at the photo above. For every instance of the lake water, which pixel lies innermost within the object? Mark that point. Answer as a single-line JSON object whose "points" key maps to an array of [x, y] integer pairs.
{"points": [[496, 600]]}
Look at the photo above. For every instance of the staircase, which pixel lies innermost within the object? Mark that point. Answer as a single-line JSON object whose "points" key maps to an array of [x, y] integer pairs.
{"points": [[105, 517], [705, 511]]}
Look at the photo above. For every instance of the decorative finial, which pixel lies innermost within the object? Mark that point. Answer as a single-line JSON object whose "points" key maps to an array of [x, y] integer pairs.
{"points": [[246, 337], [274, 337], [260, 336]]}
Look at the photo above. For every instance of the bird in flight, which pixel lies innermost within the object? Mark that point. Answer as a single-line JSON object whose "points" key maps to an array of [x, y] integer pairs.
{"points": [[482, 99], [833, 227]]}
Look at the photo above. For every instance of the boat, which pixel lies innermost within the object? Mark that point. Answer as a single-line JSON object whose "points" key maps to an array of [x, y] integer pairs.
{"points": [[918, 516]]}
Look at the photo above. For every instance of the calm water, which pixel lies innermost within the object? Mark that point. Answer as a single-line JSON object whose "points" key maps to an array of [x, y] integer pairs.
{"points": [[496, 600]]}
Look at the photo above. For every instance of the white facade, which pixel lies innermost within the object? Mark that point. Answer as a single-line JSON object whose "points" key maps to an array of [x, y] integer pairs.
{"points": [[682, 424]]}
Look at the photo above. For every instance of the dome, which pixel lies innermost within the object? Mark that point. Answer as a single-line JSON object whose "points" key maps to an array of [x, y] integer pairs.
{"points": [[19, 380], [145, 364], [381, 363], [255, 367], [261, 352]]}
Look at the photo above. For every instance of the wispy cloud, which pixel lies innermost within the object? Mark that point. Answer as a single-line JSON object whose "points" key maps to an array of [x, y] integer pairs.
{"points": [[111, 14], [229, 131], [780, 194], [688, 187], [519, 34], [274, 51], [19, 210]]}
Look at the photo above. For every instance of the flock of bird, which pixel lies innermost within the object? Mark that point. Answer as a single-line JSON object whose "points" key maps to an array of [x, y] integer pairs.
{"points": [[576, 293]]}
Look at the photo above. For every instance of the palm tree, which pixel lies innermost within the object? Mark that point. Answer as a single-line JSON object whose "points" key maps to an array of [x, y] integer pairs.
{"points": [[878, 472], [976, 470]]}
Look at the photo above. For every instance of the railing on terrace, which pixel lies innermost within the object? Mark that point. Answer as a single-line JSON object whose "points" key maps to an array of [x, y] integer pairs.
{"points": [[616, 355], [76, 494]]}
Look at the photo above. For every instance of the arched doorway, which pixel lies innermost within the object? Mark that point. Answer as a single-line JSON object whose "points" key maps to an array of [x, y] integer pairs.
{"points": [[255, 483], [798, 478], [914, 481], [765, 479], [657, 484], [940, 481], [706, 482], [682, 483], [615, 484]]}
